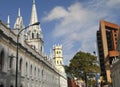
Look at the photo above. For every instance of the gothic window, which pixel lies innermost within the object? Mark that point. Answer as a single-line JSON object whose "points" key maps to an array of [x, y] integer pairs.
{"points": [[41, 48], [57, 62], [20, 66], [37, 35], [38, 72], [26, 68], [1, 60], [32, 35], [60, 62], [11, 62], [35, 72], [31, 70]]}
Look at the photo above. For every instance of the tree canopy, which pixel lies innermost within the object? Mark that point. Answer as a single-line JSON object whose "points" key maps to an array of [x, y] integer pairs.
{"points": [[83, 63]]}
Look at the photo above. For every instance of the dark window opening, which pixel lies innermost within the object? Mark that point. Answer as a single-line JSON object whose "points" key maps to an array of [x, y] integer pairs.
{"points": [[1, 60]]}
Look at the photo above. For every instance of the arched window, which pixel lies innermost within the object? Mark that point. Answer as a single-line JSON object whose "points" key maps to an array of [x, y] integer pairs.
{"points": [[35, 72], [41, 48], [31, 70], [11, 62], [32, 35], [1, 60], [20, 67], [37, 35], [38, 71], [57, 62], [26, 68]]}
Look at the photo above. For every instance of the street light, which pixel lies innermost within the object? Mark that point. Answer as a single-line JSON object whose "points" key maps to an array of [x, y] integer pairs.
{"points": [[16, 82]]}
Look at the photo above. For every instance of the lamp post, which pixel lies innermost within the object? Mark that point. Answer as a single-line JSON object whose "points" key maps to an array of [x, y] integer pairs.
{"points": [[16, 82]]}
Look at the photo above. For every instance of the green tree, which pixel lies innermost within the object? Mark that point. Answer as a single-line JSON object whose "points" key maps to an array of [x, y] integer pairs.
{"points": [[83, 65]]}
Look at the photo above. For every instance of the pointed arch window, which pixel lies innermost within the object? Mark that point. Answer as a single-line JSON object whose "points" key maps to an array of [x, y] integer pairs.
{"points": [[37, 35], [26, 68], [20, 67], [32, 35], [11, 62], [41, 48], [35, 72], [31, 70], [1, 60], [38, 71]]}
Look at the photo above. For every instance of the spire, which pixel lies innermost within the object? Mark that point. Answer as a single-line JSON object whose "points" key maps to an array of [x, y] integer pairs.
{"points": [[34, 34], [19, 12], [34, 17], [8, 22], [33, 1], [19, 21]]}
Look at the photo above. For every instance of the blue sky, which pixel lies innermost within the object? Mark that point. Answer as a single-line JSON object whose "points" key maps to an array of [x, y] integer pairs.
{"points": [[72, 23]]}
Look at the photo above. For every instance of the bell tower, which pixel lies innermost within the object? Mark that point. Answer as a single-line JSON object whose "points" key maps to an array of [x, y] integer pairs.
{"points": [[34, 34], [58, 57]]}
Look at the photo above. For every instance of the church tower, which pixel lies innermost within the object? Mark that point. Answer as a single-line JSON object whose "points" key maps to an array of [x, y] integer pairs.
{"points": [[34, 34], [58, 57]]}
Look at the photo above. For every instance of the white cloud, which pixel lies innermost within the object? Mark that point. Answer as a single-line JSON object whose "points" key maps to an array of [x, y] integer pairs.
{"points": [[77, 24], [56, 13]]}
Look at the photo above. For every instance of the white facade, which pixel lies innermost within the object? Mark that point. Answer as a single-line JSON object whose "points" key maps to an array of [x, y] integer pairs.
{"points": [[34, 68], [58, 61]]}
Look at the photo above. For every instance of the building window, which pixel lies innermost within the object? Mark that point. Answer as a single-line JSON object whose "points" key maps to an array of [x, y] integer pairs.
{"points": [[20, 67], [37, 35], [26, 68], [31, 70], [35, 72], [41, 48], [11, 62], [57, 62], [38, 72], [32, 35], [1, 60]]}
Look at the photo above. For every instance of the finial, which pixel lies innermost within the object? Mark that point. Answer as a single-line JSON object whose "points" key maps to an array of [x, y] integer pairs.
{"points": [[33, 1], [8, 22], [19, 12]]}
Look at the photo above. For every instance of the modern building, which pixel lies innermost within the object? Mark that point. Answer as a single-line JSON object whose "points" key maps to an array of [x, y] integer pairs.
{"points": [[107, 37], [35, 69]]}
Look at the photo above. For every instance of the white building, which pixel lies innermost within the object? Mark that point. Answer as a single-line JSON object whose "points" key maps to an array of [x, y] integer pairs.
{"points": [[34, 68]]}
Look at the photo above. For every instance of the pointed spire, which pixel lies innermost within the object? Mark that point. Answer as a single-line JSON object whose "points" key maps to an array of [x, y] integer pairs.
{"points": [[19, 21], [34, 17], [19, 12], [8, 22], [33, 1]]}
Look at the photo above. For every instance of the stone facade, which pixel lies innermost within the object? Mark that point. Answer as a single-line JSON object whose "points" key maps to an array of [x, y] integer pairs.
{"points": [[34, 68]]}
